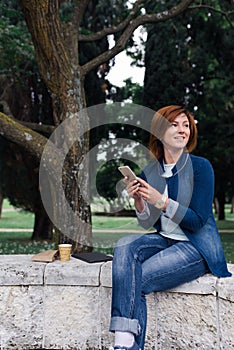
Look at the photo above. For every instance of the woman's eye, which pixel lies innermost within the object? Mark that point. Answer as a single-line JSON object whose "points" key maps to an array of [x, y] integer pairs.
{"points": [[175, 125]]}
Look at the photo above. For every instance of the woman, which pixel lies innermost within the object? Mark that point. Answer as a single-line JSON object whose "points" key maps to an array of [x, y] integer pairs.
{"points": [[174, 195]]}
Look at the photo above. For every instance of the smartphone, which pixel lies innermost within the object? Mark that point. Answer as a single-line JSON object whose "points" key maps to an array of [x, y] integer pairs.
{"points": [[127, 171]]}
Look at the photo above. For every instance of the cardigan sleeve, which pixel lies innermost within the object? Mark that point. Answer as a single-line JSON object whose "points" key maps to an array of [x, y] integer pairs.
{"points": [[195, 215], [148, 218]]}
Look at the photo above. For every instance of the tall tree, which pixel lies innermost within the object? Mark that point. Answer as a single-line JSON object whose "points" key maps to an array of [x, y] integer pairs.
{"points": [[189, 61], [24, 95], [56, 46]]}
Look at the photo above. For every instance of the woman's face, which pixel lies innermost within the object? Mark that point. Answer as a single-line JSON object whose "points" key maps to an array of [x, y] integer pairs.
{"points": [[177, 135]]}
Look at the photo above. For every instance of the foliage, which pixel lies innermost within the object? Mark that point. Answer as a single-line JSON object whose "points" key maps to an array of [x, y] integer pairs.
{"points": [[189, 61], [21, 85], [113, 188], [14, 169], [16, 49], [133, 91], [24, 94]]}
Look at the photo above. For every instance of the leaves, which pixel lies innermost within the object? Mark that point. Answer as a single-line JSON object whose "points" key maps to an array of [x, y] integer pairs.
{"points": [[16, 49]]}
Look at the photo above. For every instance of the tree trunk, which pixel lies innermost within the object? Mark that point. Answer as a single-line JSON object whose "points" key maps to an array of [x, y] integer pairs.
{"points": [[232, 206], [56, 48], [216, 205], [1, 203], [43, 227], [221, 205]]}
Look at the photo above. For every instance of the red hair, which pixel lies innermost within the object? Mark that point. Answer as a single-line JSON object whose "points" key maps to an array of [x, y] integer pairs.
{"points": [[159, 126]]}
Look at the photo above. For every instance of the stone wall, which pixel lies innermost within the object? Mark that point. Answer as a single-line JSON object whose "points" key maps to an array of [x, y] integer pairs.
{"points": [[67, 306]]}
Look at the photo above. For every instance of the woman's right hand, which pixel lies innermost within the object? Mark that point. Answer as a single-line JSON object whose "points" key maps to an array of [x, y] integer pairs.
{"points": [[132, 189]]}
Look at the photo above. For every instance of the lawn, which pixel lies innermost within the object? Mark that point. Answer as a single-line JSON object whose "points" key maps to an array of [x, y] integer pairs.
{"points": [[106, 231]]}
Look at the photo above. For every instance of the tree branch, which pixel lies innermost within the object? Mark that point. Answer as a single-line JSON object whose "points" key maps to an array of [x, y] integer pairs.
{"points": [[135, 23], [113, 29], [211, 8], [6, 109], [79, 12], [46, 129], [29, 140], [42, 128]]}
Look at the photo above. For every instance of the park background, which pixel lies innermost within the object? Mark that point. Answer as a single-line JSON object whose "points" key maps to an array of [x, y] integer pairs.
{"points": [[187, 59]]}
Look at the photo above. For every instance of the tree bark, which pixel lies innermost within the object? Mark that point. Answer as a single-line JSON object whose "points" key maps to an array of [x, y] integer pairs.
{"points": [[56, 48], [29, 140], [221, 206], [232, 206], [1, 203], [43, 227]]}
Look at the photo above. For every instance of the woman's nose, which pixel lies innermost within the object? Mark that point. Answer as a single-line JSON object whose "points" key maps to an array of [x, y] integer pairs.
{"points": [[181, 128]]}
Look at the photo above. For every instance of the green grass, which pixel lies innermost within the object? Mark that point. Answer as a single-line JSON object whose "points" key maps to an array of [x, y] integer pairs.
{"points": [[106, 231], [228, 246], [21, 243], [112, 222], [17, 219]]}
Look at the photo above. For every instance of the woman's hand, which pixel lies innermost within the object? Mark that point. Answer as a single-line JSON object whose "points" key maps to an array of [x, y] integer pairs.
{"points": [[132, 189], [147, 192], [141, 191]]}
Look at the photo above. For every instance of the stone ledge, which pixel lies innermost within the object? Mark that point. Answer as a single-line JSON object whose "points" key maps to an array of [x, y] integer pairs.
{"points": [[67, 306], [18, 270], [21, 270], [72, 273]]}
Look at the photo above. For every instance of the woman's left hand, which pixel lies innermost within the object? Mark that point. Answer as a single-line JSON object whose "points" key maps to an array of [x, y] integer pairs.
{"points": [[147, 192]]}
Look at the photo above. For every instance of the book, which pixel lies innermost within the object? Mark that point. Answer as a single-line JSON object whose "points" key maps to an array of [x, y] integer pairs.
{"points": [[92, 257]]}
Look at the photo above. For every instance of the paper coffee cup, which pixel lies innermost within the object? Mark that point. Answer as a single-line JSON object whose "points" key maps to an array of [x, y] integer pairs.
{"points": [[65, 251]]}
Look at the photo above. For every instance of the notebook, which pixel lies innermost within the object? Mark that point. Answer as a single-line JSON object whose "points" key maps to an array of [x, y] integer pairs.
{"points": [[93, 257]]}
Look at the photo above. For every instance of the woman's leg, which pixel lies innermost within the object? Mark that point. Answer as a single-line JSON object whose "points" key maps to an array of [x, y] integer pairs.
{"points": [[146, 263], [177, 264], [128, 302]]}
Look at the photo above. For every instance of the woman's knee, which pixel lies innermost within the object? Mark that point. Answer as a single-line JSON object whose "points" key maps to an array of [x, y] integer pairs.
{"points": [[127, 241]]}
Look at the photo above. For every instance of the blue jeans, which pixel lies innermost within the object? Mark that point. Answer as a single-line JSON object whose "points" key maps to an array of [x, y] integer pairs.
{"points": [[143, 264]]}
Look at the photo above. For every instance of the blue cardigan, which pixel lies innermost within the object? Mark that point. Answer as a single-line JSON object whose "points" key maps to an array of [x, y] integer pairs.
{"points": [[191, 192]]}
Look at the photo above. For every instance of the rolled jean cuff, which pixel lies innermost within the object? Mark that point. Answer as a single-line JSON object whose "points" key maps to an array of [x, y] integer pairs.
{"points": [[123, 324]]}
